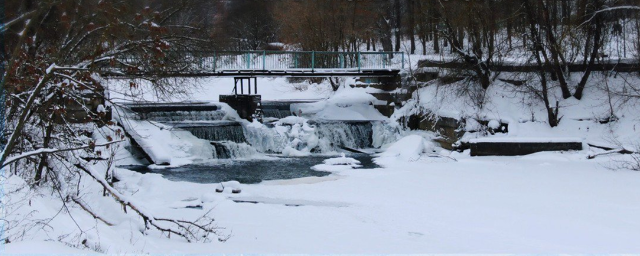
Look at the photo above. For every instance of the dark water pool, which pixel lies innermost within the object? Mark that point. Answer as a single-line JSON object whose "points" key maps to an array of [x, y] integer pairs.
{"points": [[249, 171]]}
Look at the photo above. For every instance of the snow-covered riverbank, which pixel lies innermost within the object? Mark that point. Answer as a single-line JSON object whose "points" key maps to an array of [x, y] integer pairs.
{"points": [[422, 199], [541, 203]]}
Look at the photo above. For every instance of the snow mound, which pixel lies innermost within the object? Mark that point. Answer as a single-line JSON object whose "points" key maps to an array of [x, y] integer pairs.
{"points": [[342, 161], [409, 148], [345, 104], [494, 124], [291, 120]]}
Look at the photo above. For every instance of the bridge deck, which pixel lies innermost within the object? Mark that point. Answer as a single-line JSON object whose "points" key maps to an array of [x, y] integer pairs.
{"points": [[263, 73], [268, 64]]}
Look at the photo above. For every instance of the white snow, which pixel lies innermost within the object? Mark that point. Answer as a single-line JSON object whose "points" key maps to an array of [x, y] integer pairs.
{"points": [[346, 104], [494, 124], [542, 203], [343, 160], [409, 148], [101, 109], [527, 139], [168, 146], [422, 199]]}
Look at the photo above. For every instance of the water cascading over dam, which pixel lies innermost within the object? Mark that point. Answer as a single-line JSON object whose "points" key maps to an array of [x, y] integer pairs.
{"points": [[351, 134], [275, 109], [203, 120], [237, 139], [183, 116], [215, 131]]}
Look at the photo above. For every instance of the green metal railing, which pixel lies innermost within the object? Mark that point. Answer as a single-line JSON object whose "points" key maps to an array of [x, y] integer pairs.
{"points": [[219, 61]]}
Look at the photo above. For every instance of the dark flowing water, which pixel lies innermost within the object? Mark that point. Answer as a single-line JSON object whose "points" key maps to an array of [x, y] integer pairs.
{"points": [[250, 171]]}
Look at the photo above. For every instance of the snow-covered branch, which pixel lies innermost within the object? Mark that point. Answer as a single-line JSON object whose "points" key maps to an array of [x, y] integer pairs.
{"points": [[24, 16], [190, 231], [610, 9], [43, 151]]}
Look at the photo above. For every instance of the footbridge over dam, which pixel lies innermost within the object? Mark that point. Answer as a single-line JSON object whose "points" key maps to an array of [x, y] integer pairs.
{"points": [[262, 64]]}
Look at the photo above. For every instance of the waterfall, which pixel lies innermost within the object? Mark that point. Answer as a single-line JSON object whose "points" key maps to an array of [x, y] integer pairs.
{"points": [[289, 136], [181, 116], [333, 135], [318, 137], [216, 131], [267, 140], [232, 150], [276, 109], [385, 133], [276, 113]]}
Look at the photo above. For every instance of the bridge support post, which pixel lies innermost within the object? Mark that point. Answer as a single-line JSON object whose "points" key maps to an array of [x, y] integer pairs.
{"points": [[358, 61], [313, 60], [214, 60]]}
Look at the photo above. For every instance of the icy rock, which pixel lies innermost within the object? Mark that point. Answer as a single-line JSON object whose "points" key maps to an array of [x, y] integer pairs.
{"points": [[342, 161], [494, 124], [472, 125], [101, 109], [289, 151], [233, 186]]}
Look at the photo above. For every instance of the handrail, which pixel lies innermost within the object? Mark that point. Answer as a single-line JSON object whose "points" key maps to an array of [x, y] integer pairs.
{"points": [[216, 61]]}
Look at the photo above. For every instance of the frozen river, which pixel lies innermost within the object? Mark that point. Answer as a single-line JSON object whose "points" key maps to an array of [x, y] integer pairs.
{"points": [[249, 171]]}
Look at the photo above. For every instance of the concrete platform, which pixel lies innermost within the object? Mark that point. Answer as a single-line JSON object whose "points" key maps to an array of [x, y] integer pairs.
{"points": [[521, 146]]}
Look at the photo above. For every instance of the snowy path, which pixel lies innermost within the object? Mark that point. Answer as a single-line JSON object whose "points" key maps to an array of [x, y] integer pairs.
{"points": [[542, 203]]}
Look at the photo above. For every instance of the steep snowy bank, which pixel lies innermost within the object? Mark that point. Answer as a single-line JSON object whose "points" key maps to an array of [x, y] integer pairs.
{"points": [[588, 118]]}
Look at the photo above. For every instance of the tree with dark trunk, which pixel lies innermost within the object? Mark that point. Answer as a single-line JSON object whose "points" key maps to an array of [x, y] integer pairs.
{"points": [[56, 49]]}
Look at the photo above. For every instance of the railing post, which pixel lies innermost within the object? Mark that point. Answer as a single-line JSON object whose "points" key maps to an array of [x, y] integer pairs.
{"points": [[402, 60], [358, 61], [384, 60], [264, 60], [248, 60], [341, 56], [214, 60], [313, 60]]}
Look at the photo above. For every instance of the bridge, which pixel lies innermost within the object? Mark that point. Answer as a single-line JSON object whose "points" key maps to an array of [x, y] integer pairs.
{"points": [[265, 64]]}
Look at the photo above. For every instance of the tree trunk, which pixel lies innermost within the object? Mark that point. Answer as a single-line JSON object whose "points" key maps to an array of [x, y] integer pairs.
{"points": [[398, 24], [594, 53], [385, 30], [537, 49], [412, 25], [45, 144], [555, 51]]}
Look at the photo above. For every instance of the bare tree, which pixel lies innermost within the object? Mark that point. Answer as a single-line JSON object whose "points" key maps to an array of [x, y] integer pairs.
{"points": [[56, 50]]}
